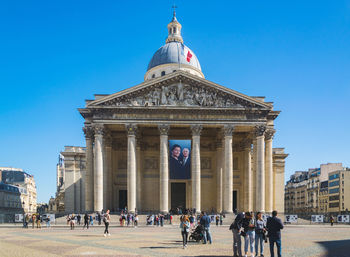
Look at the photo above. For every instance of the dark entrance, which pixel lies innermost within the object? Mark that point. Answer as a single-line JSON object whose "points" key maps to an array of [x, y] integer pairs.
{"points": [[178, 196], [123, 199], [234, 201]]}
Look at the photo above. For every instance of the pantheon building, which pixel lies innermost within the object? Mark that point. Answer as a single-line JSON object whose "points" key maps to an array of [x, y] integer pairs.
{"points": [[135, 137]]}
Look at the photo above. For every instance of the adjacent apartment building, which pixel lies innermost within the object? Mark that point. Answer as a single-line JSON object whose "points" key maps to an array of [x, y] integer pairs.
{"points": [[318, 190], [18, 190]]}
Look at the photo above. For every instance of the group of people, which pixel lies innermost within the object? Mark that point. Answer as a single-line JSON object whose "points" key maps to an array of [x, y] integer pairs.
{"points": [[189, 221], [36, 219], [255, 231], [128, 219]]}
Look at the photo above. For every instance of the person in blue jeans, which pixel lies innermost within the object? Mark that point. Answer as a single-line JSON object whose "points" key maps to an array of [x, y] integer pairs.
{"points": [[274, 226], [205, 222], [260, 229], [248, 225]]}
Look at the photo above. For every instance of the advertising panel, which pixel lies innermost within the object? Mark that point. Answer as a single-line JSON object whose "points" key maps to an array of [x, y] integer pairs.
{"points": [[180, 159]]}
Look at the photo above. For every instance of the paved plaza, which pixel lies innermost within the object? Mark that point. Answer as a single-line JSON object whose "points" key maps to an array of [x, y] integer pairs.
{"points": [[299, 241]]}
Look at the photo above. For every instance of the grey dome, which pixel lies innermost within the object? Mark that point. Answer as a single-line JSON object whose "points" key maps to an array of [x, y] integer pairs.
{"points": [[172, 53]]}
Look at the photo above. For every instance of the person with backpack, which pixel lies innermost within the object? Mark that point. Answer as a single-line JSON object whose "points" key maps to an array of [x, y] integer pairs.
{"points": [[236, 228], [106, 220], [205, 222]]}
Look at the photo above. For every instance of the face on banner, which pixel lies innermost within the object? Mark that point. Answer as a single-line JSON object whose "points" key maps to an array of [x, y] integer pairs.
{"points": [[180, 159]]}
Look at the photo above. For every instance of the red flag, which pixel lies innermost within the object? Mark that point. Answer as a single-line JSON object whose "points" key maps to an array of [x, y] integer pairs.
{"points": [[189, 56]]}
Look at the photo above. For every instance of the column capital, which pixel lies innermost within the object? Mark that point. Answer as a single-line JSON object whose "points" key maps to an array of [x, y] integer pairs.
{"points": [[131, 129], [228, 130], [196, 130], [163, 129], [99, 129], [269, 133], [259, 130], [88, 132]]}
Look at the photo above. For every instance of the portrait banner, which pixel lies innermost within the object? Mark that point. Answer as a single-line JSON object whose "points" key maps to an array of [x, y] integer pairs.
{"points": [[180, 159]]}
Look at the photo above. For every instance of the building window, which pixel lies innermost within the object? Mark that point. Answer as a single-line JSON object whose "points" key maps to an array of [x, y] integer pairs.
{"points": [[175, 30], [174, 70], [334, 190], [153, 76], [163, 73]]}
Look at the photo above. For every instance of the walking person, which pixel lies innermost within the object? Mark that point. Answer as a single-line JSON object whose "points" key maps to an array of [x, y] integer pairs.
{"points": [[249, 231], [78, 219], [106, 220], [332, 220], [86, 221], [217, 219], [260, 229], [185, 228], [91, 220], [205, 222], [27, 218], [274, 226], [236, 228]]}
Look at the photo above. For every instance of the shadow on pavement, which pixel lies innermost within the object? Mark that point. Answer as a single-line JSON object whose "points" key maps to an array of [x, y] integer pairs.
{"points": [[158, 247], [338, 248]]}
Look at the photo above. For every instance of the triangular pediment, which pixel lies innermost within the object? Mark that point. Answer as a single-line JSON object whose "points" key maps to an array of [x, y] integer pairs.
{"points": [[179, 89]]}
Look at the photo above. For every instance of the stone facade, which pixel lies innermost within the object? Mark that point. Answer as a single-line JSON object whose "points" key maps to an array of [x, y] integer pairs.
{"points": [[70, 176], [127, 137]]}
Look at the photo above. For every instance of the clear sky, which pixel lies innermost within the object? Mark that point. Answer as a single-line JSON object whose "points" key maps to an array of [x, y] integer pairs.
{"points": [[56, 54]]}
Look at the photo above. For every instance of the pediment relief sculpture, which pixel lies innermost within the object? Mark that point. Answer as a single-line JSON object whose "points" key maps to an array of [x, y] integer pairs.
{"points": [[180, 94]]}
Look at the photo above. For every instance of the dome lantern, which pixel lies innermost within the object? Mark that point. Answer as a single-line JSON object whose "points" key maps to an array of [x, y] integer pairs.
{"points": [[174, 30]]}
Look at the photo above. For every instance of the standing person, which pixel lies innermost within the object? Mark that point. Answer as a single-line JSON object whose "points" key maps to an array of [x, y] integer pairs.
{"points": [[205, 222], [27, 220], [248, 224], [217, 218], [33, 220], [236, 228], [259, 234], [332, 220], [78, 219], [274, 226], [91, 220], [106, 220], [171, 219], [38, 221], [99, 218], [136, 220], [48, 225], [191, 218], [86, 221], [185, 228], [72, 221], [221, 219]]}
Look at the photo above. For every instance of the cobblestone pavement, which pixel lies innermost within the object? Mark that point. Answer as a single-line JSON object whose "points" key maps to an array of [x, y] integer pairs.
{"points": [[298, 241]]}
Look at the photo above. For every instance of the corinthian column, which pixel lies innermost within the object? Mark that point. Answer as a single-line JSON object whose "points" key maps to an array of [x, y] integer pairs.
{"points": [[228, 179], [98, 172], [260, 168], [107, 176], [219, 174], [196, 167], [131, 176], [164, 169], [248, 188], [269, 170], [89, 174]]}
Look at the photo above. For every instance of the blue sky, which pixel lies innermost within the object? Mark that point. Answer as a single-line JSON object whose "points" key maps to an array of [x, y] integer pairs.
{"points": [[56, 54]]}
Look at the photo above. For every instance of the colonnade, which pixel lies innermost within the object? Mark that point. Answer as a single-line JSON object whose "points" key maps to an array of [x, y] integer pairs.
{"points": [[98, 178]]}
